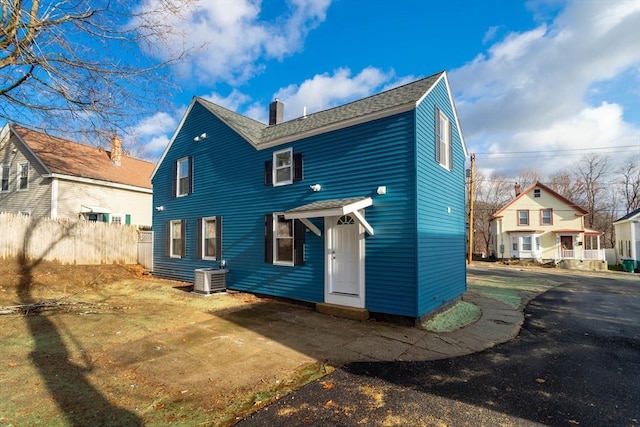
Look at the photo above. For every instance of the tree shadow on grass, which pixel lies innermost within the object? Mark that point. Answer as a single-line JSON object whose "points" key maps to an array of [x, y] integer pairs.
{"points": [[78, 400]]}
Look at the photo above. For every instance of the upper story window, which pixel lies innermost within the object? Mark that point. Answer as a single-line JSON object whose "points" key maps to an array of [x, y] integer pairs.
{"points": [[546, 216], [184, 176], [284, 168], [284, 240], [210, 237], [23, 176], [536, 192], [4, 178], [523, 217], [443, 145]]}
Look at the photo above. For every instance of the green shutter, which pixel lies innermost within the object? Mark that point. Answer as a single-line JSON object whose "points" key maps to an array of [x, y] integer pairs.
{"points": [[105, 217], [127, 219]]}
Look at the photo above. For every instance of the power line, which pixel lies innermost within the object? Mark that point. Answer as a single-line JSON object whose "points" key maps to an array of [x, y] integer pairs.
{"points": [[508, 153]]}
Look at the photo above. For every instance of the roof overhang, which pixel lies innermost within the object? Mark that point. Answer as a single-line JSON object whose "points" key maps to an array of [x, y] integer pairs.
{"points": [[568, 231], [93, 209], [528, 231], [334, 207]]}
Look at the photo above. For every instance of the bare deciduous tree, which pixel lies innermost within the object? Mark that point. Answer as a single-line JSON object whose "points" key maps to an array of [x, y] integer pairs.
{"points": [[80, 61], [491, 193], [630, 184], [591, 171], [563, 184], [527, 177]]}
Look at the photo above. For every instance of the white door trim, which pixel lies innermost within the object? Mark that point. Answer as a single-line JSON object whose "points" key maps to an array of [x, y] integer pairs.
{"points": [[357, 301]]}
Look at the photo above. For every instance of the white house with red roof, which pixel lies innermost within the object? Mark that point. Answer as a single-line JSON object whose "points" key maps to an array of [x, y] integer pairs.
{"points": [[47, 176], [540, 224]]}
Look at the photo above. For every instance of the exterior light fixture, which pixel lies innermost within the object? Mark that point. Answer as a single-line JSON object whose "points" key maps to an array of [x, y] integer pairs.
{"points": [[316, 187], [159, 208]]}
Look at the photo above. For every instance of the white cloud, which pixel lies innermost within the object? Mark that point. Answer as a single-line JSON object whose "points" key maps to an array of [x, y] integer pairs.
{"points": [[324, 91], [230, 39], [530, 89], [149, 137]]}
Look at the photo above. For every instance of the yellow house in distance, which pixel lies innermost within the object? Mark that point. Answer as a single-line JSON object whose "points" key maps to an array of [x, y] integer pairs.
{"points": [[541, 225]]}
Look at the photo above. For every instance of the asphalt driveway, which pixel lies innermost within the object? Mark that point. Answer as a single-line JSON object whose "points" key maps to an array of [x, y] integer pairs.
{"points": [[575, 362]]}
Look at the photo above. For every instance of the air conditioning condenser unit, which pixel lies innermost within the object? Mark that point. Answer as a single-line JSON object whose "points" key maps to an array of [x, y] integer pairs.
{"points": [[210, 280]]}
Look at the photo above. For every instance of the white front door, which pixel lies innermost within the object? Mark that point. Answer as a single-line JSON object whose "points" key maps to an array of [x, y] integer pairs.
{"points": [[344, 284]]}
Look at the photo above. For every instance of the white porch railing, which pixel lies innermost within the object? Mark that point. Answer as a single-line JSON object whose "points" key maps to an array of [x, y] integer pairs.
{"points": [[590, 254]]}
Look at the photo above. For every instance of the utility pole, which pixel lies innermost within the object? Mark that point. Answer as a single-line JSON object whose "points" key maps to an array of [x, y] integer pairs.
{"points": [[471, 197]]}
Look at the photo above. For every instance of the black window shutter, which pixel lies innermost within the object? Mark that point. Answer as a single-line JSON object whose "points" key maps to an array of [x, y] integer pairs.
{"points": [[174, 177], [219, 237], [450, 146], [268, 238], [437, 142], [183, 237], [200, 241], [268, 172], [191, 174], [298, 242], [298, 173], [167, 251]]}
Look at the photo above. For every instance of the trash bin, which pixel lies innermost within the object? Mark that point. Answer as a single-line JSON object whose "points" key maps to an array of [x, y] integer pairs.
{"points": [[628, 265]]}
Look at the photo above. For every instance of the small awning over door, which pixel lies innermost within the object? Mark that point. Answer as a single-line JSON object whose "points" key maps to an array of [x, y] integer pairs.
{"points": [[93, 209], [334, 207]]}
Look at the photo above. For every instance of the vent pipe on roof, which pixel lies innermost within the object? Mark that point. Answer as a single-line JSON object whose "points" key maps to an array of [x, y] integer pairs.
{"points": [[276, 112], [116, 150]]}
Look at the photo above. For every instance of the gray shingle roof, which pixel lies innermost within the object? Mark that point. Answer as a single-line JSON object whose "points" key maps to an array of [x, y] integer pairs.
{"points": [[259, 134], [327, 204], [629, 215]]}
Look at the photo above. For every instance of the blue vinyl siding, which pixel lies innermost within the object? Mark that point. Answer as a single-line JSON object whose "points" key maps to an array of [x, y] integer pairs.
{"points": [[229, 181], [440, 234]]}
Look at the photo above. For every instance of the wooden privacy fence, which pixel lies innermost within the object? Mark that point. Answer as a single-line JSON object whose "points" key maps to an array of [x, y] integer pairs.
{"points": [[68, 242]]}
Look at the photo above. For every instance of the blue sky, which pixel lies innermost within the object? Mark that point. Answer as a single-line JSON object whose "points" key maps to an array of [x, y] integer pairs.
{"points": [[527, 76]]}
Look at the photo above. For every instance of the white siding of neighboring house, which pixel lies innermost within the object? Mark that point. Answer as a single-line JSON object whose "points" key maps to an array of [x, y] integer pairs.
{"points": [[627, 235], [37, 198], [73, 195], [564, 217]]}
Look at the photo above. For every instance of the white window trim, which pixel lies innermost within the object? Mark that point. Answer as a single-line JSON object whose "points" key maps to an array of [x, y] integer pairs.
{"points": [[203, 238], [275, 241], [445, 138], [121, 216], [173, 223], [178, 162], [275, 168], [19, 177], [6, 167]]}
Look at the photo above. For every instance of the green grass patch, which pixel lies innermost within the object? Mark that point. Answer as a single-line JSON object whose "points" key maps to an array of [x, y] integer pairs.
{"points": [[516, 292], [461, 314]]}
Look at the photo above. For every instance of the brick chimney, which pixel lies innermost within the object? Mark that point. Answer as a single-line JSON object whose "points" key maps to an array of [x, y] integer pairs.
{"points": [[116, 150], [518, 189], [276, 112]]}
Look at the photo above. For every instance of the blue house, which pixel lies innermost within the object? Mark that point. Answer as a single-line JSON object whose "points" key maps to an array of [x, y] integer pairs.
{"points": [[361, 205]]}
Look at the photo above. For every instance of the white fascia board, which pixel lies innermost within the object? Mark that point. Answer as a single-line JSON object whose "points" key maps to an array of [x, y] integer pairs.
{"points": [[166, 150], [338, 211], [30, 150], [99, 182], [444, 77], [339, 125]]}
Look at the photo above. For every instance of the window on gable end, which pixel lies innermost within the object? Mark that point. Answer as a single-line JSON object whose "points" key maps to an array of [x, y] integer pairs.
{"points": [[4, 178], [523, 217], [23, 176], [176, 232], [183, 176], [210, 238], [536, 192], [443, 145]]}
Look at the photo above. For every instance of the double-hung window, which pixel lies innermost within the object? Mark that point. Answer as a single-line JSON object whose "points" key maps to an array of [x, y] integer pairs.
{"points": [[210, 238], [4, 178], [23, 176], [176, 232], [284, 168], [443, 145], [184, 176], [523, 217], [284, 240], [546, 216]]}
